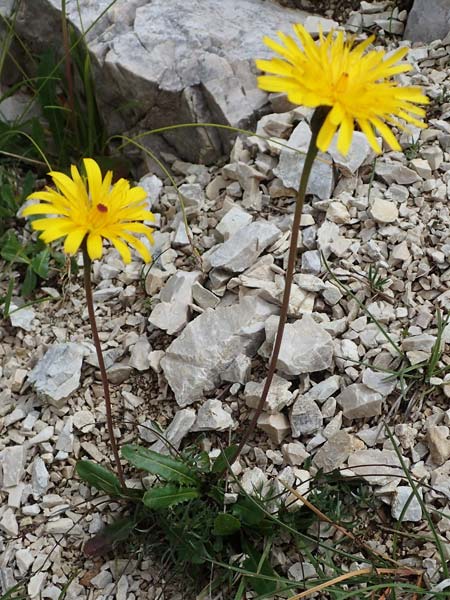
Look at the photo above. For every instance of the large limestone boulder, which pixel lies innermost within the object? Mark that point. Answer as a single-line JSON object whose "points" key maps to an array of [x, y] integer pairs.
{"points": [[160, 62], [428, 20]]}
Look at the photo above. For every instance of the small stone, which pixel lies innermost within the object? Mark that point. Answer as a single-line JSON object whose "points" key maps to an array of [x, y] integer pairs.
{"points": [[278, 397], [60, 526], [380, 382], [377, 467], [423, 342], [359, 402], [36, 584], [290, 166], [181, 237], [39, 478], [335, 451], [24, 560], [306, 347], [305, 417], [84, 421], [405, 495], [65, 437], [439, 443], [180, 426], [203, 297], [45, 435], [119, 373], [276, 426], [242, 249], [139, 358], [21, 317], [8, 523], [12, 461], [232, 221], [238, 370], [254, 482], [383, 211], [212, 416], [294, 453], [324, 389], [58, 373], [358, 153], [193, 198], [300, 571], [18, 380], [311, 262]]}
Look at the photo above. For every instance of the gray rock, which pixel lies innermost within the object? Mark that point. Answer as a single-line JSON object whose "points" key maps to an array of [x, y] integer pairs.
{"points": [[12, 461], [238, 371], [172, 313], [383, 211], [438, 438], [58, 373], [405, 495], [358, 153], [203, 297], [306, 347], [358, 401], [232, 221], [21, 317], [193, 198], [305, 417], [294, 453], [428, 20], [290, 167], [324, 389], [40, 478], [181, 66], [276, 426], [380, 382], [242, 249], [8, 523], [335, 451], [278, 397], [194, 361], [212, 417], [311, 262], [179, 427], [140, 354], [377, 467]]}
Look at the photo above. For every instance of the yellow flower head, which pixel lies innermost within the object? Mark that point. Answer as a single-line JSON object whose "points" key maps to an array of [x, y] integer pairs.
{"points": [[357, 85], [92, 210]]}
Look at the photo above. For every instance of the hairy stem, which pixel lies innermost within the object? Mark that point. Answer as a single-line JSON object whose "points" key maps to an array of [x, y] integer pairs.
{"points": [[311, 154], [101, 362]]}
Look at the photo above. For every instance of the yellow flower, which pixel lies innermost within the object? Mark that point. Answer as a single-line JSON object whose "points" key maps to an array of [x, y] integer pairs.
{"points": [[92, 210], [356, 85]]}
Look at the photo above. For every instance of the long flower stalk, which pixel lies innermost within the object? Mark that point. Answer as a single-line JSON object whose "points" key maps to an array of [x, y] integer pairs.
{"points": [[101, 362], [316, 123]]}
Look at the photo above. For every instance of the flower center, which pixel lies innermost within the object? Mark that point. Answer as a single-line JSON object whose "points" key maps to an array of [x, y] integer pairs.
{"points": [[102, 208], [341, 84]]}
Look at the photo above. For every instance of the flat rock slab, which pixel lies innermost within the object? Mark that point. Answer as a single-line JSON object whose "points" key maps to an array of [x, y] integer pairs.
{"points": [[194, 362], [181, 62], [57, 374]]}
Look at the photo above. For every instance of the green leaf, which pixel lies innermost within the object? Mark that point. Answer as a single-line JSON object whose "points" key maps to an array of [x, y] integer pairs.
{"points": [[99, 477], [12, 250], [29, 282], [248, 511], [168, 495], [226, 524], [261, 566], [39, 263], [224, 458], [168, 468]]}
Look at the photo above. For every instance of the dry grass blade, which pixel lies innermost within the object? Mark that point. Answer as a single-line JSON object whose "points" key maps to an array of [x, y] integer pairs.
{"points": [[402, 572]]}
